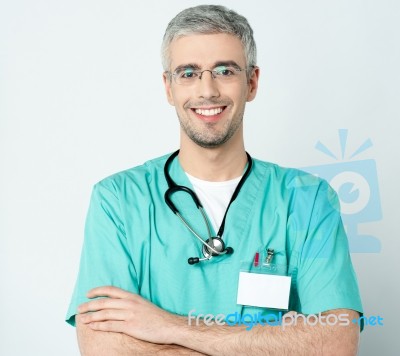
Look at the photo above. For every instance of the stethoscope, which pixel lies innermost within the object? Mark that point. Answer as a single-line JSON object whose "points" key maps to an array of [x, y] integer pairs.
{"points": [[213, 246]]}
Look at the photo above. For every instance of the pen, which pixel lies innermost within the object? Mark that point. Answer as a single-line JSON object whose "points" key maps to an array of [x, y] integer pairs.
{"points": [[256, 259]]}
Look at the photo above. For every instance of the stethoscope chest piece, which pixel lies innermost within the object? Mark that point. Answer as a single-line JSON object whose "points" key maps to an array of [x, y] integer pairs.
{"points": [[218, 245]]}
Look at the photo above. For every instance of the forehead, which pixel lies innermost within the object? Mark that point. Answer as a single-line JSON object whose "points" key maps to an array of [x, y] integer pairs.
{"points": [[206, 50]]}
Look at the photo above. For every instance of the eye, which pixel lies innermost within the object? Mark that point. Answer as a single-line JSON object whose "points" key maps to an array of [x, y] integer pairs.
{"points": [[187, 73], [224, 71]]}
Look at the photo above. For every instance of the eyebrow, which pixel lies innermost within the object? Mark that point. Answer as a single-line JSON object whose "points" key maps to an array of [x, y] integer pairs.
{"points": [[226, 64], [216, 64], [186, 66]]}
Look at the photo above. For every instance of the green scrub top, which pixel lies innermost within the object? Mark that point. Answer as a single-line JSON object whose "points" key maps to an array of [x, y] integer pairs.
{"points": [[135, 242]]}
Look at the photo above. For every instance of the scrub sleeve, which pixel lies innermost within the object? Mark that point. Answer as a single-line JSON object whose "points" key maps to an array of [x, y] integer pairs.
{"points": [[105, 259], [326, 279]]}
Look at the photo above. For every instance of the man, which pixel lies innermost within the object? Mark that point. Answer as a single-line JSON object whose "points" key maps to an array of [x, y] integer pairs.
{"points": [[272, 222]]}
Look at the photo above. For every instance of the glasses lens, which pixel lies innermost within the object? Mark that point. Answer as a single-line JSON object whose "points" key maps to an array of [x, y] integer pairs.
{"points": [[226, 73], [185, 76]]}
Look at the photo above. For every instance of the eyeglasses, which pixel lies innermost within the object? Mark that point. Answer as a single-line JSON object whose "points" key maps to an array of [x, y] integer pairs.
{"points": [[223, 74]]}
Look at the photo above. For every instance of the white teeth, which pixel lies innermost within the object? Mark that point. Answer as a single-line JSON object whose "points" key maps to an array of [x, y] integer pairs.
{"points": [[210, 112]]}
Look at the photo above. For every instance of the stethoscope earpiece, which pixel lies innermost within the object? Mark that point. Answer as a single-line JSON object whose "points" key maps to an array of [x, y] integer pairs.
{"points": [[213, 246], [229, 250], [193, 260]]}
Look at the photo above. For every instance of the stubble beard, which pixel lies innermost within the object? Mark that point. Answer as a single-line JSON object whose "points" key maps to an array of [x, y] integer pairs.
{"points": [[210, 136]]}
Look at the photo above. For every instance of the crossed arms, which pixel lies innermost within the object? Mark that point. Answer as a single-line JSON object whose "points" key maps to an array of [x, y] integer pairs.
{"points": [[126, 324]]}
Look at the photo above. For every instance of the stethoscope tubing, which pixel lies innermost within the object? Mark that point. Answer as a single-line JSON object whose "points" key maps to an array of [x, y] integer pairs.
{"points": [[197, 235]]}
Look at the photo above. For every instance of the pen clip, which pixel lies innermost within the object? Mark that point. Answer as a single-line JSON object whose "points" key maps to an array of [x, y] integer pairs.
{"points": [[270, 255]]}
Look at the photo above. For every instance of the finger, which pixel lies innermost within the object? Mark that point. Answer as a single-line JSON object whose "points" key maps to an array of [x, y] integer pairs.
{"points": [[104, 315], [104, 303], [113, 326], [109, 291]]}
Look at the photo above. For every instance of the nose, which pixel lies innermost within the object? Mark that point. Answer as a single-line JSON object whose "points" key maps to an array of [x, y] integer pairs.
{"points": [[207, 87]]}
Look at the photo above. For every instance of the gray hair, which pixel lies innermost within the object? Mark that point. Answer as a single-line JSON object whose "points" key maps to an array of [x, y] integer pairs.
{"points": [[210, 19]]}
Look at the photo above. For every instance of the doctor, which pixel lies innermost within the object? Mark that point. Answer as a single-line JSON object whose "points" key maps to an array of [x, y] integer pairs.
{"points": [[139, 240]]}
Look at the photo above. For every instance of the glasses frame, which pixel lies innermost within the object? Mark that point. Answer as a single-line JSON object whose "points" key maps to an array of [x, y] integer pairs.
{"points": [[213, 73]]}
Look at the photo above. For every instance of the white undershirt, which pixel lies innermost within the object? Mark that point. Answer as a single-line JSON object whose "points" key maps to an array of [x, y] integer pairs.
{"points": [[215, 197]]}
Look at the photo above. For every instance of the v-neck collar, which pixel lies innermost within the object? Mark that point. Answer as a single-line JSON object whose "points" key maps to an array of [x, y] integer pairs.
{"points": [[239, 212]]}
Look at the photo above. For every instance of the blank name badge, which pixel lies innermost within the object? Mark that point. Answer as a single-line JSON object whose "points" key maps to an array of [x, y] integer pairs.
{"points": [[264, 290]]}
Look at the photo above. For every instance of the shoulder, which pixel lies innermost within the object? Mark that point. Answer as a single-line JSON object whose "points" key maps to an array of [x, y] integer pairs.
{"points": [[290, 178], [295, 183], [138, 176]]}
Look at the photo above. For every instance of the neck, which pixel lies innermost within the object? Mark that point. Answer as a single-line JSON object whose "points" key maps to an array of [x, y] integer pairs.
{"points": [[213, 164]]}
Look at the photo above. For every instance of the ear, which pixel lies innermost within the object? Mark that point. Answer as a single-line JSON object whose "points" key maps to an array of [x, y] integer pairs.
{"points": [[253, 83], [168, 89]]}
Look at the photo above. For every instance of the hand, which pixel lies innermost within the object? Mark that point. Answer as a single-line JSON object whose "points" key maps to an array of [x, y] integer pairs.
{"points": [[130, 314]]}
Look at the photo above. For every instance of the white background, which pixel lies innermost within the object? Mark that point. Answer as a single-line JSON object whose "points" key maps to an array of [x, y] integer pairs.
{"points": [[81, 97]]}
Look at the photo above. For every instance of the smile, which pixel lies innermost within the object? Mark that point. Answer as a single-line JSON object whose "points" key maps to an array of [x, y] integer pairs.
{"points": [[209, 112]]}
